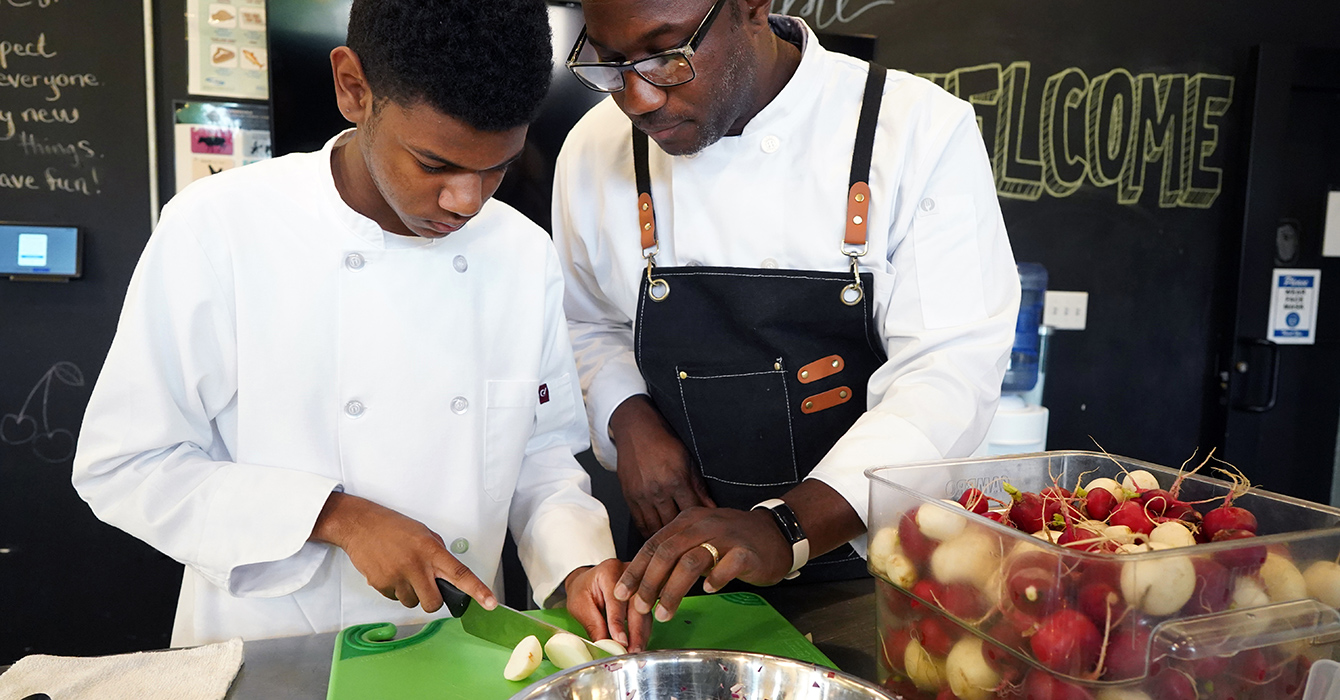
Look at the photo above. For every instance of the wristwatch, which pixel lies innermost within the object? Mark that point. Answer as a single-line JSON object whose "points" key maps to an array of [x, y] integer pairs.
{"points": [[791, 532]]}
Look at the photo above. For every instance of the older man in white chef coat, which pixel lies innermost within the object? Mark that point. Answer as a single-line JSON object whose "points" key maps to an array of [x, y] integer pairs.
{"points": [[341, 375], [804, 275]]}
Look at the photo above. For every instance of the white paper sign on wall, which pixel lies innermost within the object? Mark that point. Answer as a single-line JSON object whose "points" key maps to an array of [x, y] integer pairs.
{"points": [[1293, 306]]}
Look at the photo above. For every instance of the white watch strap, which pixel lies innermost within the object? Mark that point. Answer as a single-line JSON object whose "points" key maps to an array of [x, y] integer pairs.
{"points": [[800, 549]]}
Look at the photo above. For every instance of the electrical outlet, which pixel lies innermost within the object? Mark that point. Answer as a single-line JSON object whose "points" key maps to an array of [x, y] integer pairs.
{"points": [[1066, 311]]}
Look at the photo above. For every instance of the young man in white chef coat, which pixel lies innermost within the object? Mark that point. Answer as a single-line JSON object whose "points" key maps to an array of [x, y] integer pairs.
{"points": [[341, 375], [805, 273]]}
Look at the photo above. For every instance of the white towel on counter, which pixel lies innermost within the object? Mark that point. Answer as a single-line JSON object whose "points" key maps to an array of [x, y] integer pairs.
{"points": [[199, 673]]}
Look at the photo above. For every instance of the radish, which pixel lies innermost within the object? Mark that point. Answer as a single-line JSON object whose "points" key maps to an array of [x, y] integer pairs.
{"points": [[1122, 694], [1067, 642], [1086, 535], [1159, 586], [893, 648], [1099, 503], [1213, 591], [611, 646], [915, 545], [1108, 485], [999, 516], [1172, 533], [938, 523], [926, 590], [566, 649], [1031, 511], [883, 545], [1127, 654], [1139, 480], [1228, 518], [974, 501], [936, 635], [1040, 685], [1034, 590], [1248, 593], [1323, 582], [1283, 582], [525, 659], [1132, 514], [963, 601], [1101, 602], [1242, 560], [925, 670], [1156, 501], [901, 571], [968, 558], [1002, 636], [970, 677], [1119, 534]]}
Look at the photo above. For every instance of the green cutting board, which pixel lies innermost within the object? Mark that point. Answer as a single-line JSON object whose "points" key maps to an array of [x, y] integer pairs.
{"points": [[442, 662]]}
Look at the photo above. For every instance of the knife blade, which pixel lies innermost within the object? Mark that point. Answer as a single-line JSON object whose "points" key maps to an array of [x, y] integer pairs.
{"points": [[502, 625]]}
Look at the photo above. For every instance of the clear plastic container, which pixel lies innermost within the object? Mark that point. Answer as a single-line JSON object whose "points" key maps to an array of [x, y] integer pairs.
{"points": [[989, 611]]}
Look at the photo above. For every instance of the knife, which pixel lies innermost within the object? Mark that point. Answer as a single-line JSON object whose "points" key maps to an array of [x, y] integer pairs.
{"points": [[502, 625]]}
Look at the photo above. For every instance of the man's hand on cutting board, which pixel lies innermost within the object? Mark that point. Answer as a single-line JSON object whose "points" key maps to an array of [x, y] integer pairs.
{"points": [[399, 556], [591, 601]]}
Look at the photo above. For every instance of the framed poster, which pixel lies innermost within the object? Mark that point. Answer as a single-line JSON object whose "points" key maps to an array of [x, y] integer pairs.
{"points": [[226, 49], [211, 137]]}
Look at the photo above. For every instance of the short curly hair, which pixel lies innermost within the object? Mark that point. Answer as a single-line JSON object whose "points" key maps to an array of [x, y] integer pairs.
{"points": [[484, 62]]}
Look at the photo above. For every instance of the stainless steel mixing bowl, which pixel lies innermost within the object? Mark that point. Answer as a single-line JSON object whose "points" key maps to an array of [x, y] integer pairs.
{"points": [[700, 675]]}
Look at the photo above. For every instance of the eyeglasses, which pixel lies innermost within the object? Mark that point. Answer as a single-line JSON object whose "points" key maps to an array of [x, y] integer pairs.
{"points": [[665, 69]]}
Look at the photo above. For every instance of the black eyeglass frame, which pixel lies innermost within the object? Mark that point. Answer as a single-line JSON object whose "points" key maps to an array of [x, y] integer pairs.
{"points": [[686, 49]]}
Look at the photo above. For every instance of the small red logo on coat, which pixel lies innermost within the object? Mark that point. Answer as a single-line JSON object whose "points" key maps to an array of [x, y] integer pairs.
{"points": [[544, 393]]}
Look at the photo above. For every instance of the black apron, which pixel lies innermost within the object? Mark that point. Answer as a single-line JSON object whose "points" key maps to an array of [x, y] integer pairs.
{"points": [[761, 371]]}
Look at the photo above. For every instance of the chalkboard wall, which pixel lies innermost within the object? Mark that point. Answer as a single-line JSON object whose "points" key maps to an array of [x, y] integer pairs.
{"points": [[1116, 130]]}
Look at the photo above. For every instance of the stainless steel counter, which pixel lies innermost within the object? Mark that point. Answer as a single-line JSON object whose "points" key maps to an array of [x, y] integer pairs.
{"points": [[840, 617]]}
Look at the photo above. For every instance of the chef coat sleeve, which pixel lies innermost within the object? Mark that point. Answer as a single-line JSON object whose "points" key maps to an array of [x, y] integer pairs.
{"points": [[602, 336], [950, 321], [558, 525], [151, 459]]}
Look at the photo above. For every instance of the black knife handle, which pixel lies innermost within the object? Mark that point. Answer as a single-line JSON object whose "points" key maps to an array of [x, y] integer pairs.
{"points": [[456, 599]]}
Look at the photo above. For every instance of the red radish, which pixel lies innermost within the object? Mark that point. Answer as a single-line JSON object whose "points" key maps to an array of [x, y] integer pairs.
{"points": [[1035, 591], [1171, 684], [1156, 501], [898, 603], [1023, 623], [1292, 678], [1082, 535], [1241, 560], [928, 590], [1214, 588], [1099, 503], [916, 546], [1127, 654], [999, 517], [1068, 642], [1002, 635], [1132, 514], [1030, 511], [936, 635], [1211, 666], [1040, 685], [1101, 602], [901, 687], [1228, 518], [963, 601], [946, 694], [974, 500], [1251, 667], [893, 647]]}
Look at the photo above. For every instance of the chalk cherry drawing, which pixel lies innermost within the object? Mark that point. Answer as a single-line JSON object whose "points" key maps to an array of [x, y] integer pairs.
{"points": [[22, 428]]}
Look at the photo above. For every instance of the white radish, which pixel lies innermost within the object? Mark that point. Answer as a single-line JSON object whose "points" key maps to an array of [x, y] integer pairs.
{"points": [[993, 589], [940, 524], [1323, 582], [1158, 586], [525, 659], [925, 669], [882, 548], [1120, 534], [1172, 533], [1139, 480], [970, 676], [613, 647], [566, 649], [968, 558], [1121, 694], [1047, 535], [1109, 485], [1248, 593], [1282, 579], [1132, 548], [901, 571]]}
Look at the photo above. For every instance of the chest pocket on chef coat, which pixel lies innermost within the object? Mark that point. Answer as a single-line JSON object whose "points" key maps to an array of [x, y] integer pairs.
{"points": [[948, 263], [509, 422], [739, 423]]}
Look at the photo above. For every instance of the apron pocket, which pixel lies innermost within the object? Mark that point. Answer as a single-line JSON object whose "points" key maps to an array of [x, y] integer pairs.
{"points": [[509, 421], [740, 424]]}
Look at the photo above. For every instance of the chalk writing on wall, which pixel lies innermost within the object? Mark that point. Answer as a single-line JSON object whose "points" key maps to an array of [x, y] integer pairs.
{"points": [[824, 13], [30, 425], [1150, 136]]}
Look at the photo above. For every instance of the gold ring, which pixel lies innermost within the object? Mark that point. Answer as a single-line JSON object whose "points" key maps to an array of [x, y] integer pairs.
{"points": [[716, 556]]}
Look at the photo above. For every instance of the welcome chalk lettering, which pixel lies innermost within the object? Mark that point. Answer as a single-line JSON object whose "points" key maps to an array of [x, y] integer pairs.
{"points": [[840, 11]]}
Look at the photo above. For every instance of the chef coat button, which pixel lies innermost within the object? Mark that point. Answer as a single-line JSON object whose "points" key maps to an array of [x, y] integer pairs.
{"points": [[770, 144], [769, 264], [459, 405], [354, 261], [460, 545], [354, 409], [927, 204], [460, 264]]}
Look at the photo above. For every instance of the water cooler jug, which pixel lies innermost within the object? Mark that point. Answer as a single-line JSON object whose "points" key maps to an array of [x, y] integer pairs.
{"points": [[1020, 423]]}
